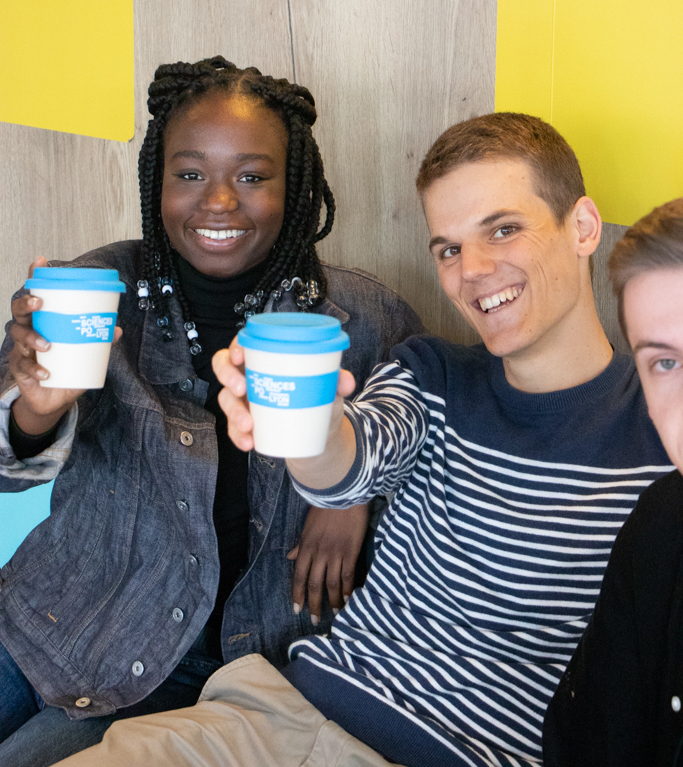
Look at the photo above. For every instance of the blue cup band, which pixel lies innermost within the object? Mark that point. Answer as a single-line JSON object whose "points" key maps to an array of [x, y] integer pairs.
{"points": [[284, 392], [75, 328]]}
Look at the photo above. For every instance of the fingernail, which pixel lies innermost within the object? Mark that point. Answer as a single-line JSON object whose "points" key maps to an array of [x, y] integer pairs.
{"points": [[335, 610], [41, 343], [33, 302], [346, 598], [297, 608], [314, 620], [42, 374]]}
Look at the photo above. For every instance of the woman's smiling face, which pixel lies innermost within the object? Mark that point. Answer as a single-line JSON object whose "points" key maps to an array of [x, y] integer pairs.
{"points": [[223, 191]]}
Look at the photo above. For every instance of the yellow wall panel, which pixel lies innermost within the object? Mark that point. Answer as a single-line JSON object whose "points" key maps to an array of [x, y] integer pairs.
{"points": [[615, 81], [524, 57], [68, 66]]}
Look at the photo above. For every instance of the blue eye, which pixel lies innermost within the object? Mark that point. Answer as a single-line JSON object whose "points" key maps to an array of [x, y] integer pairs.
{"points": [[667, 364]]}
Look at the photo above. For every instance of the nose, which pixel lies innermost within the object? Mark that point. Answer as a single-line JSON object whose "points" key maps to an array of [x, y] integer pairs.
{"points": [[220, 198], [476, 262]]}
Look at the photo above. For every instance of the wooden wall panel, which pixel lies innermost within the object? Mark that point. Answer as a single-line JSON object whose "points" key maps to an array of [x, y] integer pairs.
{"points": [[604, 299], [388, 78]]}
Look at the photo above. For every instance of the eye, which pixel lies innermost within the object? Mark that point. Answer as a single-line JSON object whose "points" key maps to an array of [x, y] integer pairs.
{"points": [[449, 252], [504, 231], [666, 364], [251, 178], [190, 175]]}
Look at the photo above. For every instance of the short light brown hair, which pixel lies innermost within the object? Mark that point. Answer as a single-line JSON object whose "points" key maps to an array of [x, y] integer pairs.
{"points": [[502, 135], [654, 242]]}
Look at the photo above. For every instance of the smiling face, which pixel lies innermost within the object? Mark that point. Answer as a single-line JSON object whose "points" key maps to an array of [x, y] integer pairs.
{"points": [[654, 320], [223, 192], [513, 273]]}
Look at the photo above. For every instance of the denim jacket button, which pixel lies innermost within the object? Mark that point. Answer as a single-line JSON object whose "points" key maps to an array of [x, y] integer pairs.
{"points": [[137, 668], [178, 614], [186, 385], [83, 702], [182, 505], [186, 438]]}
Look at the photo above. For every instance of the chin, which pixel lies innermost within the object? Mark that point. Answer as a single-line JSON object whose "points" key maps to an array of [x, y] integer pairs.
{"points": [[500, 346]]}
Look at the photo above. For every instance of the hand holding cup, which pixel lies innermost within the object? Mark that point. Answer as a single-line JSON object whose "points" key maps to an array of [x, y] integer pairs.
{"points": [[38, 408], [228, 365]]}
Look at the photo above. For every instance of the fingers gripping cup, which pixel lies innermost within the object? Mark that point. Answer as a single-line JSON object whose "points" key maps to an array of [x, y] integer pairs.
{"points": [[78, 318], [292, 364]]}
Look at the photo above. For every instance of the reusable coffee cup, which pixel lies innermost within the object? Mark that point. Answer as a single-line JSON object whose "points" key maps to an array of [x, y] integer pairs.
{"points": [[78, 318], [292, 364]]}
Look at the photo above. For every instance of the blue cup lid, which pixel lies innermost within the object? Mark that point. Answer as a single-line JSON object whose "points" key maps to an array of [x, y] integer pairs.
{"points": [[73, 278], [293, 333]]}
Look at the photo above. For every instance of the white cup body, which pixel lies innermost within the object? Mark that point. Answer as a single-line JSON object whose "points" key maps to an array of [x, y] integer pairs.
{"points": [[78, 365], [290, 432]]}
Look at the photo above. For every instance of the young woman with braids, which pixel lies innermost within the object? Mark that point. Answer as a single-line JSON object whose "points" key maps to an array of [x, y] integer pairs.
{"points": [[168, 552]]}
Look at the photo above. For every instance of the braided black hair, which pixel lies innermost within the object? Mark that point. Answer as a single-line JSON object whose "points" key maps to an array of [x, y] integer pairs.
{"points": [[292, 263]]}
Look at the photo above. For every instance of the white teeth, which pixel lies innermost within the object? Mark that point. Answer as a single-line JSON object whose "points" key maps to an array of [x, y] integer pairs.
{"points": [[491, 302], [220, 234]]}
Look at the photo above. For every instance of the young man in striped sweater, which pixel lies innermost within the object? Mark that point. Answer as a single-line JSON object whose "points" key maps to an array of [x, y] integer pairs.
{"points": [[513, 465]]}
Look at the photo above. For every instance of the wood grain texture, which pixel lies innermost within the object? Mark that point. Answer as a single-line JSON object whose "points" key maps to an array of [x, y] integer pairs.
{"points": [[604, 298], [389, 78]]}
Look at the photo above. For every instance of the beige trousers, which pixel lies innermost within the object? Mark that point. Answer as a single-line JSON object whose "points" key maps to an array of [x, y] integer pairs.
{"points": [[248, 715]]}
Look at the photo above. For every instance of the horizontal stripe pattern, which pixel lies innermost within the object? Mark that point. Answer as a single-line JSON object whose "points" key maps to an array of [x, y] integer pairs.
{"points": [[487, 569]]}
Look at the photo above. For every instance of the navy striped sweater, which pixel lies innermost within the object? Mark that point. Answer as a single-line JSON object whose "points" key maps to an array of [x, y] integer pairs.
{"points": [[489, 558]]}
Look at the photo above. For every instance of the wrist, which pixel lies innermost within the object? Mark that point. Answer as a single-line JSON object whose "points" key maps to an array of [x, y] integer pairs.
{"points": [[31, 423]]}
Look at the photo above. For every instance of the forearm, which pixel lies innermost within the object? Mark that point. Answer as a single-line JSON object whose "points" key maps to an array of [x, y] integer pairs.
{"points": [[332, 466]]}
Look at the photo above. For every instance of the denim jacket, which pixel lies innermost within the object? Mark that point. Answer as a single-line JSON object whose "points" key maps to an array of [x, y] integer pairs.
{"points": [[105, 597]]}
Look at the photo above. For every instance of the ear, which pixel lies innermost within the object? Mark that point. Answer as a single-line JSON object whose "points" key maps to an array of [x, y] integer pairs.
{"points": [[588, 226]]}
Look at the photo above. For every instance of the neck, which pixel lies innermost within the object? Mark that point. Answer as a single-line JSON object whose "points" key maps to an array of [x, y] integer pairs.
{"points": [[575, 354]]}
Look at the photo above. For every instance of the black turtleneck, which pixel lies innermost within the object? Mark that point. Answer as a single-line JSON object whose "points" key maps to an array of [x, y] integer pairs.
{"points": [[212, 301]]}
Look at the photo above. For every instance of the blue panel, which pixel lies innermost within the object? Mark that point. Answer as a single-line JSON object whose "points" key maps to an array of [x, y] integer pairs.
{"points": [[19, 514]]}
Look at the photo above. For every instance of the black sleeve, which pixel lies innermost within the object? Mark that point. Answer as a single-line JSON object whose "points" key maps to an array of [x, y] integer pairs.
{"points": [[29, 445], [598, 715]]}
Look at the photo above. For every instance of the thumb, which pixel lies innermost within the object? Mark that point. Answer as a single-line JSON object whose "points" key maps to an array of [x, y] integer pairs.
{"points": [[39, 262], [345, 383], [294, 553]]}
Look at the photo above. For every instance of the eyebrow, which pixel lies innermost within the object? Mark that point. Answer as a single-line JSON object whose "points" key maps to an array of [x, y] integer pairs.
{"points": [[191, 154], [653, 345], [495, 216], [492, 218], [194, 154]]}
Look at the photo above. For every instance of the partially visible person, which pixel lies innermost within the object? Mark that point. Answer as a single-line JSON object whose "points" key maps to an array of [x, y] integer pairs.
{"points": [[166, 551], [514, 464], [620, 701]]}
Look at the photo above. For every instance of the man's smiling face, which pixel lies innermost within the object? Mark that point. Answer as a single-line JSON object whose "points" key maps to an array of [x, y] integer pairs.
{"points": [[502, 259]]}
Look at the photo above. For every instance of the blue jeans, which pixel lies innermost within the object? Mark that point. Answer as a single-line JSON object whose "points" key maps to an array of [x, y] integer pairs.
{"points": [[35, 735]]}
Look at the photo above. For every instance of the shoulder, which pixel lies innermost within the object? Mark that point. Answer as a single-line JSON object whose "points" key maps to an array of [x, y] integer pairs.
{"points": [[651, 540], [658, 515], [469, 363], [123, 256], [358, 292]]}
